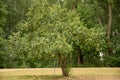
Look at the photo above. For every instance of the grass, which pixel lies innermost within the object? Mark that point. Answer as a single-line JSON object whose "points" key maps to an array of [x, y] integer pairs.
{"points": [[49, 74]]}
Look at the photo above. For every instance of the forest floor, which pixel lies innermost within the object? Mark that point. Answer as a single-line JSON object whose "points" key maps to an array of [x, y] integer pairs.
{"points": [[56, 74]]}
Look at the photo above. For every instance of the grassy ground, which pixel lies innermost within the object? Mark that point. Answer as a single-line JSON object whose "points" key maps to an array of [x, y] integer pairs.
{"points": [[55, 74]]}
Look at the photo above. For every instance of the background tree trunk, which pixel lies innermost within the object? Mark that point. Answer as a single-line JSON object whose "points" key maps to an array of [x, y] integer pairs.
{"points": [[109, 21], [109, 27], [80, 57]]}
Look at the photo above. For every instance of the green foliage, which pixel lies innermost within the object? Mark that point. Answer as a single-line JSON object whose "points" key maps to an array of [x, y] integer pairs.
{"points": [[112, 61], [110, 1], [46, 28], [70, 4], [44, 33], [49, 31], [3, 13], [2, 53], [91, 13], [90, 38], [16, 11]]}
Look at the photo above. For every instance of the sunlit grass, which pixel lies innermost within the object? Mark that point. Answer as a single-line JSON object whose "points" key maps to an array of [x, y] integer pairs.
{"points": [[56, 74]]}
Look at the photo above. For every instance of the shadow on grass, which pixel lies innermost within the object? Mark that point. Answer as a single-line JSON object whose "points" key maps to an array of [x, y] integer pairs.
{"points": [[37, 77], [45, 77], [34, 77]]}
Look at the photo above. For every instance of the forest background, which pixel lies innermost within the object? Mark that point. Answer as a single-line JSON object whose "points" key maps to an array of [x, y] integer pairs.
{"points": [[53, 33]]}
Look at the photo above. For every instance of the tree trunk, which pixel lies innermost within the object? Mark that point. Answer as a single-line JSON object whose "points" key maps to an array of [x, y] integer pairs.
{"points": [[109, 28], [99, 20], [80, 57], [22, 15], [109, 22], [63, 64]]}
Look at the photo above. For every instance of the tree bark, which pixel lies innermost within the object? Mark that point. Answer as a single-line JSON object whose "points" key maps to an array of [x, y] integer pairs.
{"points": [[80, 57], [109, 21], [109, 28], [63, 64], [99, 20]]}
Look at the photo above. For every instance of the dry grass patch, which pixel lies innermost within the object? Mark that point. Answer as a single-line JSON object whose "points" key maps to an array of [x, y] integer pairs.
{"points": [[49, 74]]}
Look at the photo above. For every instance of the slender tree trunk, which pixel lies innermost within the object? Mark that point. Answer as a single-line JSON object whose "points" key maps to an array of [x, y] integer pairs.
{"points": [[63, 64], [22, 15], [109, 28], [80, 57], [99, 20], [109, 22]]}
